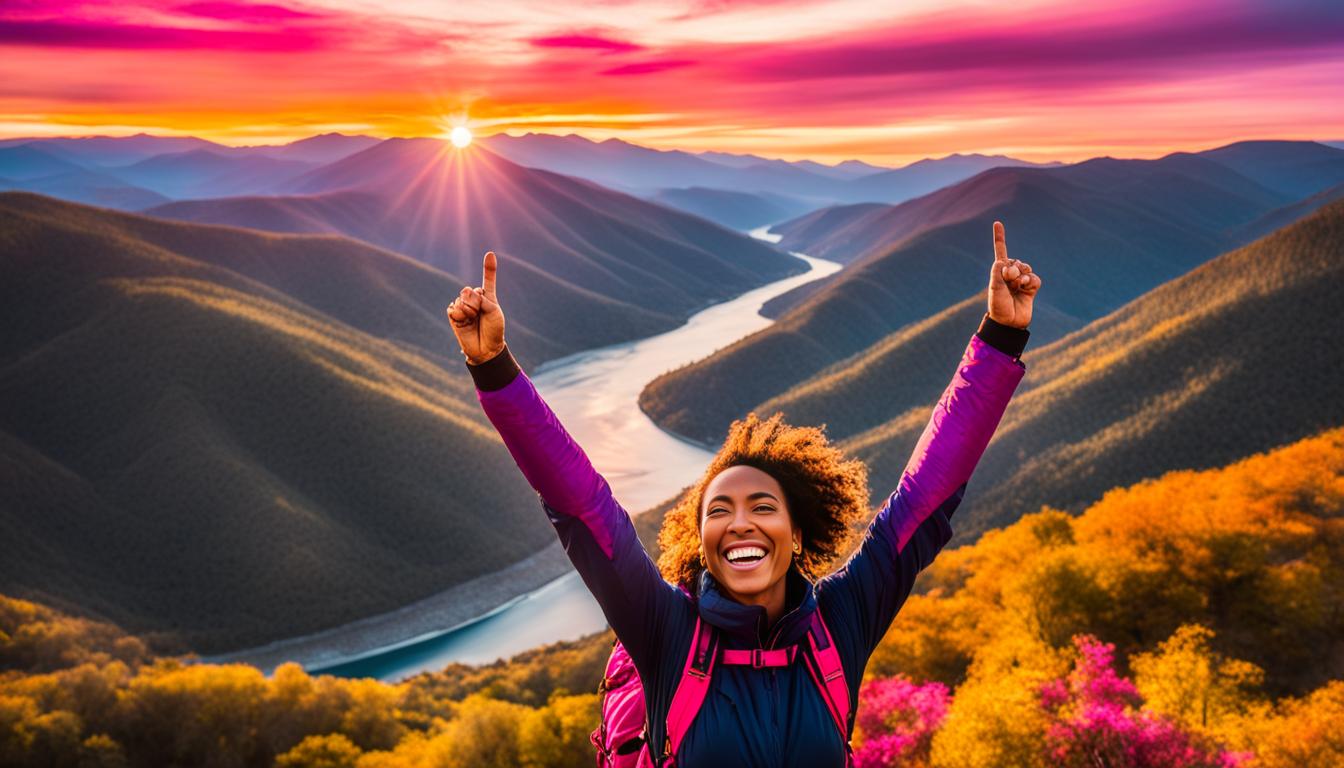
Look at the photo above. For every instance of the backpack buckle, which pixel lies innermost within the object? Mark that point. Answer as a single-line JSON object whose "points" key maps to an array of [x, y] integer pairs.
{"points": [[757, 659]]}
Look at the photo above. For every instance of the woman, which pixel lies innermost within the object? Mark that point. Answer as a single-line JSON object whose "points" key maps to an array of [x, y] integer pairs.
{"points": [[769, 514]]}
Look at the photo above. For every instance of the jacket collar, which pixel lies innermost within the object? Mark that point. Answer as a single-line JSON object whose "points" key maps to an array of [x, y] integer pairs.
{"points": [[747, 624]]}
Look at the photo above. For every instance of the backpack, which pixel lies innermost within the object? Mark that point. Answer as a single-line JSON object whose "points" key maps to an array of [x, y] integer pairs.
{"points": [[622, 737]]}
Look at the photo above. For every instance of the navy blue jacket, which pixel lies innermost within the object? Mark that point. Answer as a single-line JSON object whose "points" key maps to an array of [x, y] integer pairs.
{"points": [[769, 716]]}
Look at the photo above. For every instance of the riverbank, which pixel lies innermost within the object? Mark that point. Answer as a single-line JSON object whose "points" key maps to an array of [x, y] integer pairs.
{"points": [[447, 611]]}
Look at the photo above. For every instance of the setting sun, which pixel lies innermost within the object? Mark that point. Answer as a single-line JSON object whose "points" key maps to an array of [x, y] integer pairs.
{"points": [[460, 136]]}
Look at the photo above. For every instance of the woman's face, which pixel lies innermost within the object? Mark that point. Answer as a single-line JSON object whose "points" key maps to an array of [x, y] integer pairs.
{"points": [[747, 533]]}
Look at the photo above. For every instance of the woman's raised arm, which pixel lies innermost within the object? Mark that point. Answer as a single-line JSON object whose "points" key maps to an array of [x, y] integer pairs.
{"points": [[595, 530], [912, 526]]}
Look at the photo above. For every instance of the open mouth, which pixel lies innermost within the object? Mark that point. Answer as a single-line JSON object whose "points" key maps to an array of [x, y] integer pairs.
{"points": [[744, 558]]}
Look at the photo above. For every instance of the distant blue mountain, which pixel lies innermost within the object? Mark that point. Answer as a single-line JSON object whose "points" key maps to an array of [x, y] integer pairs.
{"points": [[134, 172], [646, 172]]}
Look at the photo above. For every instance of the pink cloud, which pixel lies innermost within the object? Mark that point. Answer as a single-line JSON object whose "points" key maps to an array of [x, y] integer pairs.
{"points": [[246, 12], [255, 28], [1057, 50], [586, 42], [648, 67], [92, 34]]}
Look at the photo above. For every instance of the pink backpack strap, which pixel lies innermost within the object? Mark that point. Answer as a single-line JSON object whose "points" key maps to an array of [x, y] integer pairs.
{"points": [[759, 657], [693, 687], [828, 674]]}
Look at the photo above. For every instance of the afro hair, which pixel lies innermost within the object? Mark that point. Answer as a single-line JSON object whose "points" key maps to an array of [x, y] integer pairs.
{"points": [[825, 492]]}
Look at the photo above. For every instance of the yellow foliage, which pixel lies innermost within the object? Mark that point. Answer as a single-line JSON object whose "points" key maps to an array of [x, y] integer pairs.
{"points": [[556, 736], [995, 719], [1254, 551], [1295, 732], [38, 639], [483, 735], [1198, 687], [102, 751], [331, 750], [371, 715], [109, 713], [1188, 575]]}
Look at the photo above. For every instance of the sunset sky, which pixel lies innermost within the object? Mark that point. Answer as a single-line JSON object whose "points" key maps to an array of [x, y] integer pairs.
{"points": [[886, 82]]}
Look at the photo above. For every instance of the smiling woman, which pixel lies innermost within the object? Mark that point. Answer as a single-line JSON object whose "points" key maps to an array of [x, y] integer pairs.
{"points": [[744, 606], [779, 488], [747, 537]]}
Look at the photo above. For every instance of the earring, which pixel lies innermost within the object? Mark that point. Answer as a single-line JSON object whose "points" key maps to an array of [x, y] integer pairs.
{"points": [[797, 547]]}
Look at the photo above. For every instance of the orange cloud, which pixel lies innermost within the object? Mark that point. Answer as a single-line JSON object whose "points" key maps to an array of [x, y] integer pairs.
{"points": [[828, 80]]}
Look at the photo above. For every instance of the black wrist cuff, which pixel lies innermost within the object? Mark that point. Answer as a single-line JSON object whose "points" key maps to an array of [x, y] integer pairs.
{"points": [[495, 373], [1005, 338]]}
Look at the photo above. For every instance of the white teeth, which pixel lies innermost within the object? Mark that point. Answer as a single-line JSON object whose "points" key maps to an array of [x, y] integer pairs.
{"points": [[741, 552]]}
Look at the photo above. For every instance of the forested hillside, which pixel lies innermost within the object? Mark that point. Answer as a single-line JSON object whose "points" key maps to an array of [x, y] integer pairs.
{"points": [[217, 438], [1191, 621], [1235, 357]]}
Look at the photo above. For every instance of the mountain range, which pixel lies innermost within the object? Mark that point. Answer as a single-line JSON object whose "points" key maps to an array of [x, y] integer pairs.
{"points": [[1100, 232], [241, 418], [740, 191], [598, 266], [760, 189], [137, 172]]}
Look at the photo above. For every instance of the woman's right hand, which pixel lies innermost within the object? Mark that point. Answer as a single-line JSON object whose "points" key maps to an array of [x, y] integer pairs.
{"points": [[477, 319]]}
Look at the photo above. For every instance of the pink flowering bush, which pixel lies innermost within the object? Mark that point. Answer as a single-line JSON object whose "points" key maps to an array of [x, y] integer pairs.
{"points": [[898, 719], [1096, 721]]}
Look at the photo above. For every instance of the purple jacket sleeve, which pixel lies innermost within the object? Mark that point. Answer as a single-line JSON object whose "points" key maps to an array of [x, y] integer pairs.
{"points": [[595, 530], [862, 597]]}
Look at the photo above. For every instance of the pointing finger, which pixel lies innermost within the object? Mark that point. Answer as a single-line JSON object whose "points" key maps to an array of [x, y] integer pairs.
{"points": [[488, 275], [1000, 244]]}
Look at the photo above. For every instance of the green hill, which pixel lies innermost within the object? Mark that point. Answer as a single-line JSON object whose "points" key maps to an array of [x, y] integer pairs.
{"points": [[1239, 355], [204, 439]]}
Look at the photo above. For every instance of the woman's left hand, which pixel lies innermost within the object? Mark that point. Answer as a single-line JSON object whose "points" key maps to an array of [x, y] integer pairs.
{"points": [[1012, 286]]}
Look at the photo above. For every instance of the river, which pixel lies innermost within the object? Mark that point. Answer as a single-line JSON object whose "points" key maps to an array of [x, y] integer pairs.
{"points": [[595, 393]]}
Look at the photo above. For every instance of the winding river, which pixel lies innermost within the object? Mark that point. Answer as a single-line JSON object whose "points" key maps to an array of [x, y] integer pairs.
{"points": [[595, 393]]}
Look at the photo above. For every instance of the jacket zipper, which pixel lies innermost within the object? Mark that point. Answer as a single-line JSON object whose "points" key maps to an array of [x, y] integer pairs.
{"points": [[778, 626]]}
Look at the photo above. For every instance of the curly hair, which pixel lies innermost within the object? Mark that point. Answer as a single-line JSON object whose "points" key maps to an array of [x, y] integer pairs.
{"points": [[826, 494]]}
